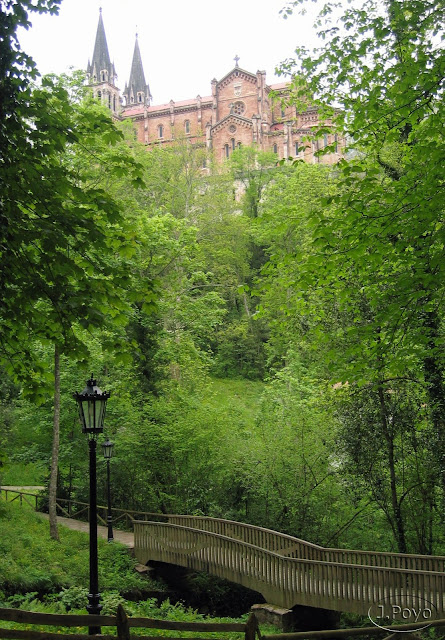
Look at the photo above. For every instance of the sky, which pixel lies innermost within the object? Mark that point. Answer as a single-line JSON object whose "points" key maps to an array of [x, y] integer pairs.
{"points": [[184, 44]]}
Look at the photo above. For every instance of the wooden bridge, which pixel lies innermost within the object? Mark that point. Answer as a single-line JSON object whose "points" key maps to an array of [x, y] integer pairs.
{"points": [[288, 571]]}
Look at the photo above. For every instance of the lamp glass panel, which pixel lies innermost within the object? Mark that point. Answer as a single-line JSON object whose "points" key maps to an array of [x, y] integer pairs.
{"points": [[100, 414]]}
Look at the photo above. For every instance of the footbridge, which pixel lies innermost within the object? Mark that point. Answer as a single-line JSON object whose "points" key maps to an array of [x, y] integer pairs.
{"points": [[288, 571]]}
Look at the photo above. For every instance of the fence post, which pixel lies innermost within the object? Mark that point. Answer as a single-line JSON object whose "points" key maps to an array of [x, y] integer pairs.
{"points": [[251, 628], [122, 624]]}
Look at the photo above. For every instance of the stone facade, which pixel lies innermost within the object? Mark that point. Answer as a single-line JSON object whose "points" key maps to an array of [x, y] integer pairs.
{"points": [[242, 110]]}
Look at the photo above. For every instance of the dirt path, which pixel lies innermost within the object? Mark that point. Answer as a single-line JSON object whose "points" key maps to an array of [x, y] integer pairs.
{"points": [[28, 489], [125, 537]]}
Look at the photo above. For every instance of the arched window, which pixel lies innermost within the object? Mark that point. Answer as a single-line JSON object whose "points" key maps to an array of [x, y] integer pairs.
{"points": [[233, 143], [114, 103], [109, 101], [226, 150], [239, 145], [325, 140], [140, 97], [99, 95], [275, 148], [187, 126], [336, 143], [297, 149], [315, 148], [161, 131]]}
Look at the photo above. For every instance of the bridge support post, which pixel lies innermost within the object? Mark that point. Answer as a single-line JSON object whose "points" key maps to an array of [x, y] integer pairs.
{"points": [[279, 617]]}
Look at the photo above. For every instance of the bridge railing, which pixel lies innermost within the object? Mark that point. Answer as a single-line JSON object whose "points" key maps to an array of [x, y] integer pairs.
{"points": [[284, 580], [291, 547], [281, 543]]}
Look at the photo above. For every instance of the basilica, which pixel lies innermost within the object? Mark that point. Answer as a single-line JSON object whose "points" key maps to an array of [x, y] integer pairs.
{"points": [[242, 109]]}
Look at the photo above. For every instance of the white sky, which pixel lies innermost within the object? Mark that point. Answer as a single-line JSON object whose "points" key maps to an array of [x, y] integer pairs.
{"points": [[183, 43]]}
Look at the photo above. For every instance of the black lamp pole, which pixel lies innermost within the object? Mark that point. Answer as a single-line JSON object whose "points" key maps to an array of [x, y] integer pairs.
{"points": [[108, 454], [92, 404], [93, 606]]}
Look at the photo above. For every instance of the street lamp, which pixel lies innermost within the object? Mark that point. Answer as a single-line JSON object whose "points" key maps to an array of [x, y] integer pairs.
{"points": [[92, 404], [108, 454]]}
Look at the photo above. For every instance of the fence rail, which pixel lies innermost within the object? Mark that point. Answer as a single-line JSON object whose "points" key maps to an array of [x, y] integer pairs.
{"points": [[80, 510], [123, 625], [397, 631], [121, 621], [287, 581]]}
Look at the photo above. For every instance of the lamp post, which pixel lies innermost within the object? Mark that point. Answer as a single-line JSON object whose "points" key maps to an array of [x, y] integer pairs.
{"points": [[108, 454], [92, 404]]}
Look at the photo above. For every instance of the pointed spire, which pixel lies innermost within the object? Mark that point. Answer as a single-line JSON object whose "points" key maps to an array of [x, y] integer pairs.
{"points": [[101, 69], [137, 90]]}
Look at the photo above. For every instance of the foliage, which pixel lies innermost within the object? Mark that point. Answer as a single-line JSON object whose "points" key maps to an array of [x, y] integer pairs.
{"points": [[376, 258], [314, 294], [32, 562], [23, 474], [61, 233]]}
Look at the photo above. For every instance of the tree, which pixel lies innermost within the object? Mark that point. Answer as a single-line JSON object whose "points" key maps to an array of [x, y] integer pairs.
{"points": [[61, 233], [382, 68]]}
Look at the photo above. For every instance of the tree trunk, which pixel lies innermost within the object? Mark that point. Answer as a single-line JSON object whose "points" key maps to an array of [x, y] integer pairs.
{"points": [[53, 530], [396, 510], [436, 392]]}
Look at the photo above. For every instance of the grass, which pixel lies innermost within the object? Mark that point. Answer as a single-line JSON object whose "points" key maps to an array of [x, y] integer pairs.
{"points": [[240, 396], [30, 561], [40, 574], [23, 475]]}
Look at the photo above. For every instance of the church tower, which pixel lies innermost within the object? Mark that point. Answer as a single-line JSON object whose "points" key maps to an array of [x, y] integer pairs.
{"points": [[137, 91], [101, 73]]}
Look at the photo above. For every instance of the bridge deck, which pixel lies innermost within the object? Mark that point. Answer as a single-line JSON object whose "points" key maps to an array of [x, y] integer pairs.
{"points": [[288, 571]]}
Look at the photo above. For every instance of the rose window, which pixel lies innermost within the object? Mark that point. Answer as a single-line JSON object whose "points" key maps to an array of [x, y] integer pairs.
{"points": [[239, 108]]}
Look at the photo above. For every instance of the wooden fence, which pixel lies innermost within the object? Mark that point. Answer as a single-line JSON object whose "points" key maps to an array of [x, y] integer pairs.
{"points": [[80, 510], [121, 621], [284, 580], [124, 624], [397, 632]]}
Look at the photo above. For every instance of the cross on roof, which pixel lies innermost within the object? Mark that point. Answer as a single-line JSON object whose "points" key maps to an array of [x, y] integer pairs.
{"points": [[236, 58]]}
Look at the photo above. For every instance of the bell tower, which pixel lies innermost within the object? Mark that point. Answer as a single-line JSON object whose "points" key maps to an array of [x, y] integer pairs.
{"points": [[101, 73]]}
